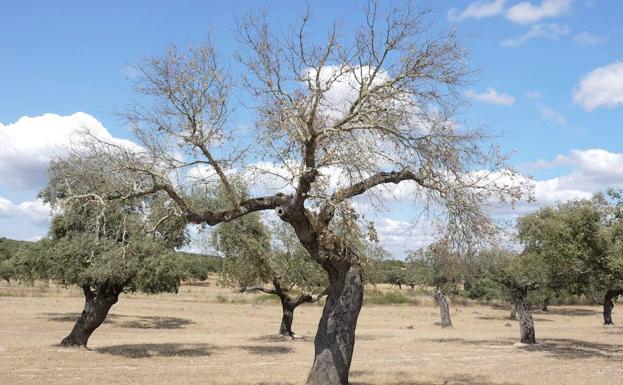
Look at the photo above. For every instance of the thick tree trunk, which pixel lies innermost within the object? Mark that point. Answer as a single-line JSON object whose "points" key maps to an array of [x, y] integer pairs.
{"points": [[524, 310], [545, 304], [96, 307], [444, 309], [335, 339], [611, 294]]}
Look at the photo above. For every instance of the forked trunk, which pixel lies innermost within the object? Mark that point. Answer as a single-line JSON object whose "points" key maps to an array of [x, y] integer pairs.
{"points": [[444, 309], [611, 294], [524, 310], [96, 307], [335, 339]]}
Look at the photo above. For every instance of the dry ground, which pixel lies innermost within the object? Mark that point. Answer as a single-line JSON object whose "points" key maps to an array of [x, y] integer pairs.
{"points": [[193, 338]]}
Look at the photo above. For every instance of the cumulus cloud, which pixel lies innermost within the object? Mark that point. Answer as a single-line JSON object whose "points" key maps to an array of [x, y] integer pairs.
{"points": [[477, 10], [399, 237], [27, 146], [592, 170], [548, 31], [492, 96], [527, 13], [602, 87], [26, 220]]}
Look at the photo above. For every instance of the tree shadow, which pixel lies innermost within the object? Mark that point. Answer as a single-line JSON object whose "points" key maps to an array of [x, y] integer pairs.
{"points": [[501, 318], [64, 317], [267, 349], [280, 338], [564, 348], [158, 350], [463, 341], [128, 321], [571, 312], [157, 323], [456, 379]]}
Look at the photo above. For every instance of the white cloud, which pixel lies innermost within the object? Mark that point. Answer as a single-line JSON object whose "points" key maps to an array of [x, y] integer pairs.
{"points": [[492, 96], [27, 146], [602, 87], [588, 39], [592, 170], [548, 31], [552, 115], [526, 13], [477, 10], [533, 95], [25, 221], [400, 237]]}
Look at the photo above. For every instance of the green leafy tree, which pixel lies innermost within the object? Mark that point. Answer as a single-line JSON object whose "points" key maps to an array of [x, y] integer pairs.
{"points": [[518, 274], [441, 267], [270, 260], [12, 259], [107, 247], [577, 244]]}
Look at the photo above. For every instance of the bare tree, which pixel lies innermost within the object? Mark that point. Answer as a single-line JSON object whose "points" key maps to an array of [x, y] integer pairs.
{"points": [[369, 109]]}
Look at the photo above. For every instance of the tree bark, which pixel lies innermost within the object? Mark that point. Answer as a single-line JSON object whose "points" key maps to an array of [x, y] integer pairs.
{"points": [[96, 307], [524, 310], [611, 294], [286, 319], [444, 309], [335, 339]]}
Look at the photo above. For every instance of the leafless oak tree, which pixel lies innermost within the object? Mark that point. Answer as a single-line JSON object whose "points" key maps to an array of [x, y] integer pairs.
{"points": [[372, 108]]}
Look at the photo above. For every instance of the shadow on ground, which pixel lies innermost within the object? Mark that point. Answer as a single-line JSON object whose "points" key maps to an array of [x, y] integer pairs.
{"points": [[500, 318], [457, 379], [462, 341], [266, 349], [279, 338], [185, 350], [128, 321], [158, 350], [569, 312], [564, 348]]}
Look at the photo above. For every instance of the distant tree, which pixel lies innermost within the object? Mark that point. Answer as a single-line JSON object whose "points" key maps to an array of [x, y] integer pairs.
{"points": [[199, 266], [395, 274], [576, 245], [17, 257], [9, 250], [375, 260], [439, 266], [107, 248], [270, 260], [518, 274]]}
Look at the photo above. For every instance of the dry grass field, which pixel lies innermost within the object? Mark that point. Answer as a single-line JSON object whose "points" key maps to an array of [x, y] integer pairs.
{"points": [[195, 338]]}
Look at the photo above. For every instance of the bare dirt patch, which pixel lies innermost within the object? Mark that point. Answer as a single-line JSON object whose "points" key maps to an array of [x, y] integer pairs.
{"points": [[195, 337]]}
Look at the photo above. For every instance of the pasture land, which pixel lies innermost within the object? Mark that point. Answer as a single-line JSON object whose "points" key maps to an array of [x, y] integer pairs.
{"points": [[210, 335]]}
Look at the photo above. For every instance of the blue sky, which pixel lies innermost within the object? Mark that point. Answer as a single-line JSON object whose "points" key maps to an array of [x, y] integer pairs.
{"points": [[549, 81]]}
